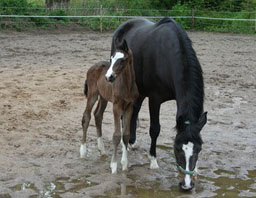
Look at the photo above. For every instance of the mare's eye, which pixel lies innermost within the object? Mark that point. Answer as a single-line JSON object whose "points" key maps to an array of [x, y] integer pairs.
{"points": [[197, 150], [178, 149]]}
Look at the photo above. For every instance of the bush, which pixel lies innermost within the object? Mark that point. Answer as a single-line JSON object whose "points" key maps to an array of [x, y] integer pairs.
{"points": [[14, 7], [182, 10]]}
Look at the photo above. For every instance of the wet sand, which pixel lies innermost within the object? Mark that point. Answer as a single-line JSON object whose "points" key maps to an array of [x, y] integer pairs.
{"points": [[41, 106]]}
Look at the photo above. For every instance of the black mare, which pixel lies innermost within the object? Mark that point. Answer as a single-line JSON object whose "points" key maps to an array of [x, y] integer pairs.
{"points": [[166, 68]]}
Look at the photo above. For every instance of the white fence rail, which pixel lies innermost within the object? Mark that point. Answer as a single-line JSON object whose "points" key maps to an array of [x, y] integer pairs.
{"points": [[105, 13], [128, 17]]}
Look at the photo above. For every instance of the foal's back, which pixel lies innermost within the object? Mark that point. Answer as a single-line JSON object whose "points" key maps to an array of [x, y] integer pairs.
{"points": [[97, 82]]}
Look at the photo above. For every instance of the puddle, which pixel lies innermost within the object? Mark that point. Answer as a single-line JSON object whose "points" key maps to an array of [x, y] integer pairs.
{"points": [[229, 185], [56, 188], [133, 192], [226, 184], [164, 147]]}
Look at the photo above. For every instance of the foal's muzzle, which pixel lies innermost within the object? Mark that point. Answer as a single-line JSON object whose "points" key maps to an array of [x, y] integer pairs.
{"points": [[111, 78]]}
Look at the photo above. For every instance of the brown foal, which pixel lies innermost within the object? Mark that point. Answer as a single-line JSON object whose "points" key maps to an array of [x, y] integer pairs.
{"points": [[114, 82]]}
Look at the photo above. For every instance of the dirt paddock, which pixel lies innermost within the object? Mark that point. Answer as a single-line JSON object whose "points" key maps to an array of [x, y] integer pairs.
{"points": [[41, 105]]}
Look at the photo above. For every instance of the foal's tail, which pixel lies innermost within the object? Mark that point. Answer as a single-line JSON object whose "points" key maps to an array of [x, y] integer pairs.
{"points": [[86, 88]]}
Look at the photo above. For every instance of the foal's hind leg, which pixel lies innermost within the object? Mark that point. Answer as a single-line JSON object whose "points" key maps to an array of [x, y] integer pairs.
{"points": [[136, 109], [98, 114], [116, 136], [126, 135], [85, 123]]}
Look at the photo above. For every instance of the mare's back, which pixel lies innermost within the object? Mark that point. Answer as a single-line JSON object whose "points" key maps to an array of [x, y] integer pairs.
{"points": [[157, 53]]}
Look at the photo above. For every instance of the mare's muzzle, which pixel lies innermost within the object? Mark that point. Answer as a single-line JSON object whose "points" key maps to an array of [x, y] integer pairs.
{"points": [[187, 182], [186, 187]]}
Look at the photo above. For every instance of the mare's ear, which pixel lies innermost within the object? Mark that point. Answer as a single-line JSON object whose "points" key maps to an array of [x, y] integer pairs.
{"points": [[202, 120], [124, 46], [116, 42]]}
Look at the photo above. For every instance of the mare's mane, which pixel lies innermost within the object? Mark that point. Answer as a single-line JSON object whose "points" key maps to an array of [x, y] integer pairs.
{"points": [[193, 78]]}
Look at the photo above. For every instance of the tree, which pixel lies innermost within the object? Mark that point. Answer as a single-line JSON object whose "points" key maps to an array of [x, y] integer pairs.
{"points": [[52, 4]]}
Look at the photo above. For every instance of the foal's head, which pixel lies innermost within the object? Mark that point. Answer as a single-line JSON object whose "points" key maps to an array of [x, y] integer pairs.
{"points": [[119, 60], [187, 146]]}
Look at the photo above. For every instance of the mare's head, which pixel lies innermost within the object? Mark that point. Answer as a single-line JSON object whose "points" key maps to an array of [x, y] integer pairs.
{"points": [[119, 60], [187, 146]]}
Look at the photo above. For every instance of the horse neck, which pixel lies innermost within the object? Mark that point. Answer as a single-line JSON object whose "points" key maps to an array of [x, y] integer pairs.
{"points": [[126, 85], [190, 99]]}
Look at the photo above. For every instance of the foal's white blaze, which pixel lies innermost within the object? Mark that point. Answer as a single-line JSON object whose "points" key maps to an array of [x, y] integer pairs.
{"points": [[188, 150], [101, 146], [124, 160], [114, 58], [83, 150]]}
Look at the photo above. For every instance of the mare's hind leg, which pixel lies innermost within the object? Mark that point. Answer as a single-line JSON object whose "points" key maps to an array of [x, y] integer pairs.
{"points": [[85, 123], [98, 114], [126, 135], [154, 108], [116, 136], [133, 124]]}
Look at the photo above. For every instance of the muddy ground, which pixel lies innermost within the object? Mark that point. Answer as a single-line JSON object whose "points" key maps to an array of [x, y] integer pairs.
{"points": [[41, 105]]}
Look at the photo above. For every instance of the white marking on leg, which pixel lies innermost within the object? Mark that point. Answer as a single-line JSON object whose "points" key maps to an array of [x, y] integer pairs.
{"points": [[101, 146], [132, 146], [153, 162], [114, 58], [83, 151], [188, 150], [124, 160], [113, 166]]}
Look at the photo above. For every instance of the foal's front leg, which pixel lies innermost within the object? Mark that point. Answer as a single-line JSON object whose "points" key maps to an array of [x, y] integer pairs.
{"points": [[116, 136], [126, 135]]}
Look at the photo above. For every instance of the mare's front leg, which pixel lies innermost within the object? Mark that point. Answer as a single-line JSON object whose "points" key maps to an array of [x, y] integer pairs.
{"points": [[154, 108], [133, 123], [126, 135], [116, 136], [98, 114], [85, 123]]}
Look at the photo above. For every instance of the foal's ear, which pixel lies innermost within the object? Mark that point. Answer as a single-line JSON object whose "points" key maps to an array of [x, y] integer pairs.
{"points": [[202, 120]]}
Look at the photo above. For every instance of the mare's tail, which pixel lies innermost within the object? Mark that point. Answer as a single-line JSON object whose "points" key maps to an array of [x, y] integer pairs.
{"points": [[86, 88]]}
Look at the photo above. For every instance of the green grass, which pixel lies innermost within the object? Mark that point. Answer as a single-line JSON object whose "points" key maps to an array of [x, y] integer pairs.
{"points": [[87, 7]]}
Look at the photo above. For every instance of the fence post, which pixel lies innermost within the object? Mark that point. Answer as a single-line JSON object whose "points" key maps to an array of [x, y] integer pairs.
{"points": [[255, 22], [193, 18], [101, 18]]}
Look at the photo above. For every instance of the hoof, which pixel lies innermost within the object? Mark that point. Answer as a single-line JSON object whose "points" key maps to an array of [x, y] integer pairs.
{"points": [[113, 167], [124, 163], [101, 146], [153, 163], [83, 151], [131, 146]]}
